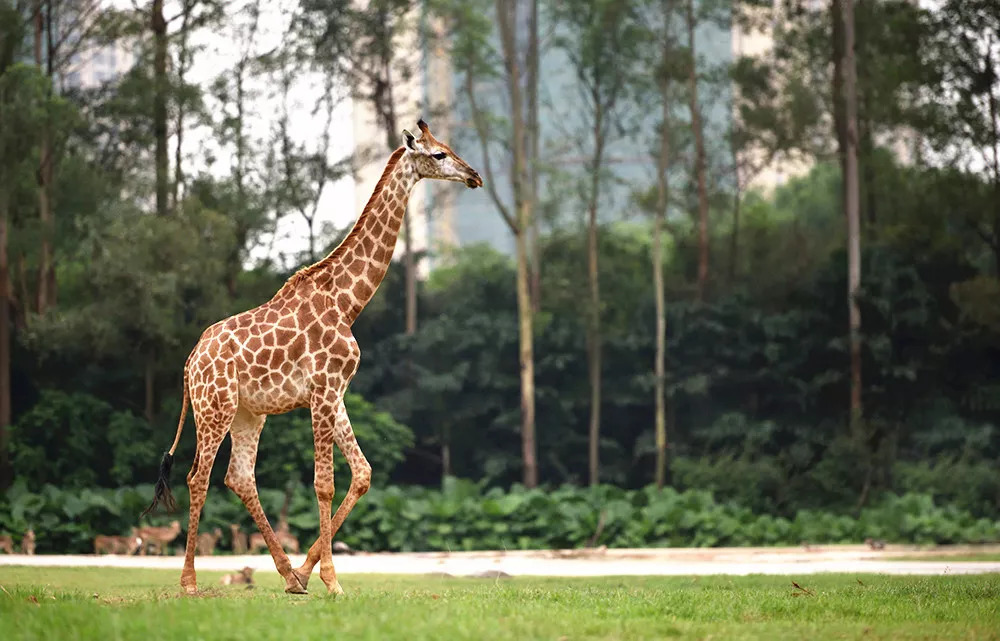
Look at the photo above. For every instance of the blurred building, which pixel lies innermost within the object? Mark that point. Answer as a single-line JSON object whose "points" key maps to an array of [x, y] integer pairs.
{"points": [[94, 66]]}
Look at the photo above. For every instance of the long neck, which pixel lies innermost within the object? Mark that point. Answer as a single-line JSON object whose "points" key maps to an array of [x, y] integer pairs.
{"points": [[361, 261]]}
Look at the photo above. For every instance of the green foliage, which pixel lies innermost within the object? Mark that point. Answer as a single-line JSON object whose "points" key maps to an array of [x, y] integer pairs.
{"points": [[76, 440], [466, 516]]}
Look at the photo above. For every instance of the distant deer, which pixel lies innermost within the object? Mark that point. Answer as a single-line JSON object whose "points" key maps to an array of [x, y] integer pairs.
{"points": [[244, 576], [239, 539], [875, 544], [158, 537], [287, 540], [7, 544], [207, 541], [117, 544], [28, 542]]}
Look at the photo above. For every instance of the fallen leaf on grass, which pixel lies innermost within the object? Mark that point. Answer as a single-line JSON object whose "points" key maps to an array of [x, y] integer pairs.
{"points": [[859, 582], [34, 600]]}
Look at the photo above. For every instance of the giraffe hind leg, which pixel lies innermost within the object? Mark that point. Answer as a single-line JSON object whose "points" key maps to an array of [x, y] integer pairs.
{"points": [[209, 440]]}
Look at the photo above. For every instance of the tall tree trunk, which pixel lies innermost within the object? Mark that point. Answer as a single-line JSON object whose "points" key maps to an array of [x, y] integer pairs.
{"points": [[506, 18], [659, 218], [526, 357], [183, 60], [852, 203], [240, 161], [46, 273], [158, 25], [531, 90], [700, 160], [5, 346], [734, 234], [594, 338]]}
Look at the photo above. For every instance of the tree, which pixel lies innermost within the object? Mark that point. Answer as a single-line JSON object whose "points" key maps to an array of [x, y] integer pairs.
{"points": [[700, 155], [600, 40], [27, 107], [659, 23], [480, 64], [845, 93], [966, 55]]}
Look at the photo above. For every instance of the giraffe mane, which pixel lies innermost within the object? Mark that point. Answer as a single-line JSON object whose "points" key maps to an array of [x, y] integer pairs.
{"points": [[305, 272]]}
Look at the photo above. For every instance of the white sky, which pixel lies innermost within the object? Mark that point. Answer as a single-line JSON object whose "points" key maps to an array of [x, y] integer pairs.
{"points": [[219, 51]]}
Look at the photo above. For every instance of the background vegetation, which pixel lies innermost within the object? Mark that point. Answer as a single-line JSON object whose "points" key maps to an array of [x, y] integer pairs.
{"points": [[117, 250]]}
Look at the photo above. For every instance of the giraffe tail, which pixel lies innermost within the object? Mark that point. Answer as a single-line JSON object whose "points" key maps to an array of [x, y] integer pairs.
{"points": [[161, 492]]}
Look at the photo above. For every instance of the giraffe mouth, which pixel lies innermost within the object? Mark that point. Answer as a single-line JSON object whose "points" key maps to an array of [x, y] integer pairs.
{"points": [[473, 181]]}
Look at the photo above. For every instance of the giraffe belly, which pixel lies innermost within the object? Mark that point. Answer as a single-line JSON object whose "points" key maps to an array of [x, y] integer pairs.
{"points": [[276, 394]]}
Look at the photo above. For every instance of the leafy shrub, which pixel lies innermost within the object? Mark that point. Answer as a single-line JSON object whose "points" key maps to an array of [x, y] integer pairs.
{"points": [[465, 516]]}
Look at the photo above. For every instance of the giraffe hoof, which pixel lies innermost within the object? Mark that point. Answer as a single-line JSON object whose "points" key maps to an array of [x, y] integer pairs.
{"points": [[294, 585], [335, 589], [302, 577]]}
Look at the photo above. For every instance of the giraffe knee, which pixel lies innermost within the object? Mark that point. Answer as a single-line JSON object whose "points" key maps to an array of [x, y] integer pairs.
{"points": [[324, 490], [361, 477], [238, 480]]}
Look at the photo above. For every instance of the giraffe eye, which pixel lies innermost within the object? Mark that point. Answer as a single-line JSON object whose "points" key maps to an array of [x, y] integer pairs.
{"points": [[439, 156]]}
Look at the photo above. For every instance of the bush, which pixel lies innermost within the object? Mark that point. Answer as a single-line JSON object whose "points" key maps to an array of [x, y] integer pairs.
{"points": [[465, 516]]}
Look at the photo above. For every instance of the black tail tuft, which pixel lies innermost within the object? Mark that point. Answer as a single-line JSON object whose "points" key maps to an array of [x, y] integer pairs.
{"points": [[161, 493]]}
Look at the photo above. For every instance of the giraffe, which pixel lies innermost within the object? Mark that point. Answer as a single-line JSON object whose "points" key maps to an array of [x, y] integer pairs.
{"points": [[297, 350]]}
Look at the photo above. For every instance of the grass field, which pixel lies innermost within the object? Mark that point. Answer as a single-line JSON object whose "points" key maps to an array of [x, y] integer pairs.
{"points": [[955, 558], [87, 603]]}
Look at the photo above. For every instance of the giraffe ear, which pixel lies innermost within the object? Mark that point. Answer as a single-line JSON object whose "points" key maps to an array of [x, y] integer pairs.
{"points": [[410, 142]]}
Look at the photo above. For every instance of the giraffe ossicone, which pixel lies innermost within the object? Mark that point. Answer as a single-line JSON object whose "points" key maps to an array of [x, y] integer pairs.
{"points": [[297, 350]]}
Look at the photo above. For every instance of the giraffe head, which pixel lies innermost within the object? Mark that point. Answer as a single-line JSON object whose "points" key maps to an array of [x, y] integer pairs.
{"points": [[434, 159]]}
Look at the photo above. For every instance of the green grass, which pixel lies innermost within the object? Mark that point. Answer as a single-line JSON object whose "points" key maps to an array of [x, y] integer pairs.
{"points": [[88, 603], [957, 558]]}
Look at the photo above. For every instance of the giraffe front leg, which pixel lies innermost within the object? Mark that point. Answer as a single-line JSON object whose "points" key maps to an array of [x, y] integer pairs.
{"points": [[361, 473], [324, 418]]}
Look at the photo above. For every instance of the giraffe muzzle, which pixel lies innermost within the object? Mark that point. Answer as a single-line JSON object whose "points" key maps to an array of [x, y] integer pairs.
{"points": [[473, 181]]}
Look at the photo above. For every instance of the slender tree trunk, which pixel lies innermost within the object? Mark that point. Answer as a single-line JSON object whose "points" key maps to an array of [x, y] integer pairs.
{"points": [[46, 274], [526, 357], [182, 66], [734, 235], [852, 204], [531, 90], [158, 25], [506, 19], [5, 345], [659, 217], [594, 335], [594, 338], [699, 156], [240, 162]]}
